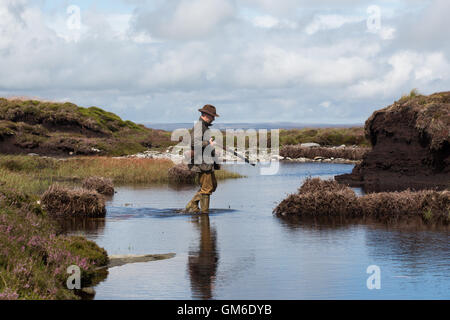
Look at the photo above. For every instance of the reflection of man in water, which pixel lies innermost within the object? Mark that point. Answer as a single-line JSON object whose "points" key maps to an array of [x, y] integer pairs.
{"points": [[202, 264]]}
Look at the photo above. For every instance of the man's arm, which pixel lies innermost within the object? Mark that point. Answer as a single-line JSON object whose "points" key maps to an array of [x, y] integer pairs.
{"points": [[197, 139]]}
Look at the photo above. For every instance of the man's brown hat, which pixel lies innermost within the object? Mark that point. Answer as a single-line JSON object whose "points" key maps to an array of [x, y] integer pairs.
{"points": [[209, 109]]}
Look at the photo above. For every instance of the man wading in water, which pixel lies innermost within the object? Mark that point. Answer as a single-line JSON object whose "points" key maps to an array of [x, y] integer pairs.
{"points": [[203, 162]]}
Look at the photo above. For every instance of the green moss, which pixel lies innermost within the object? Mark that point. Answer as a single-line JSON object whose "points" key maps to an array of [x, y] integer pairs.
{"points": [[88, 249], [107, 120], [7, 128], [428, 215]]}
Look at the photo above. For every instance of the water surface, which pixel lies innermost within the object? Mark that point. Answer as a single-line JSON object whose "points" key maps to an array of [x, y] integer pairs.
{"points": [[242, 251]]}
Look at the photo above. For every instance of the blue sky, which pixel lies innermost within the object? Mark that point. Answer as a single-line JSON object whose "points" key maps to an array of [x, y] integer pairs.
{"points": [[255, 60], [109, 6]]}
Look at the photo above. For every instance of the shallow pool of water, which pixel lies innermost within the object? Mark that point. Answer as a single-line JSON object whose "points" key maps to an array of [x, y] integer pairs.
{"points": [[242, 251]]}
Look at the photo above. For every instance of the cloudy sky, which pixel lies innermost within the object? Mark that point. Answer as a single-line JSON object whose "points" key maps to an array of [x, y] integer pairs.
{"points": [[322, 61]]}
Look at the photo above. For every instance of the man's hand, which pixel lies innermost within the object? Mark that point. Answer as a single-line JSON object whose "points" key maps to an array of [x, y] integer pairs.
{"points": [[212, 142]]}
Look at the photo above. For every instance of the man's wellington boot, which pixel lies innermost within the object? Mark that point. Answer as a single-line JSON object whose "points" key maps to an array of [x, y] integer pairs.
{"points": [[192, 206], [204, 203]]}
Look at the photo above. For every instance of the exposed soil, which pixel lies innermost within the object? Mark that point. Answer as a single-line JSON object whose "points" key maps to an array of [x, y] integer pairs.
{"points": [[410, 146]]}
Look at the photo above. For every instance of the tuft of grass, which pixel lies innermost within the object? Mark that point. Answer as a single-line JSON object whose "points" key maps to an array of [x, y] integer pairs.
{"points": [[225, 174], [412, 94], [101, 185], [318, 185], [62, 201], [182, 175], [326, 198]]}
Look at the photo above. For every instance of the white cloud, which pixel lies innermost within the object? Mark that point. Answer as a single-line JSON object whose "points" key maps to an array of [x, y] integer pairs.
{"points": [[271, 66], [275, 8], [325, 104], [185, 19], [158, 62], [387, 33], [267, 21], [406, 67], [434, 66], [330, 21]]}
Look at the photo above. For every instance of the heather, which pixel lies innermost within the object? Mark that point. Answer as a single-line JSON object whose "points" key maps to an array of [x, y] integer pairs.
{"points": [[324, 136], [34, 255], [53, 128], [327, 198], [350, 153]]}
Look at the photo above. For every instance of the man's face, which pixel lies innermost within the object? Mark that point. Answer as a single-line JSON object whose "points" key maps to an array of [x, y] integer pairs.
{"points": [[208, 118]]}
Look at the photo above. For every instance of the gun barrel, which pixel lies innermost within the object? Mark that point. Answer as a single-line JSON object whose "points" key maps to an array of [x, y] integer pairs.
{"points": [[238, 155]]}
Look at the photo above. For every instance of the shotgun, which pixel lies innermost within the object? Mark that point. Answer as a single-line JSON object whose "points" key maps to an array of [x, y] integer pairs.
{"points": [[235, 153]]}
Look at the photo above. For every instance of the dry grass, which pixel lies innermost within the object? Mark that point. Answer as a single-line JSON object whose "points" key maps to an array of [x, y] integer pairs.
{"points": [[429, 205], [120, 170], [62, 201], [36, 174], [329, 204], [101, 185]]}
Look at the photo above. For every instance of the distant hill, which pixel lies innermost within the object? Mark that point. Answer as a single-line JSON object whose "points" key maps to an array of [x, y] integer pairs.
{"points": [[62, 129], [249, 125]]}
